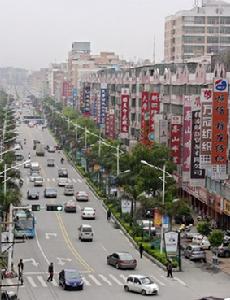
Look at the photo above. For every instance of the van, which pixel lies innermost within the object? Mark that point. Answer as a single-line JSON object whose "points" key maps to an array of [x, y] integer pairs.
{"points": [[40, 150], [69, 190], [85, 233], [34, 167], [50, 162], [38, 181]]}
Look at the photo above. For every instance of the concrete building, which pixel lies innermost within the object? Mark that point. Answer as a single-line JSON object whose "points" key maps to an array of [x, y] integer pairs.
{"points": [[203, 30], [57, 73]]}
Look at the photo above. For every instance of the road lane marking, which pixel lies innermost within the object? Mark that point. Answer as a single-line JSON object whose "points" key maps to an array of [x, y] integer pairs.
{"points": [[86, 282], [74, 180], [180, 281], [104, 248], [42, 281], [79, 180], [158, 281], [31, 281], [123, 277], [54, 282], [104, 279], [115, 279], [94, 279], [47, 179], [70, 245], [53, 179], [40, 248]]}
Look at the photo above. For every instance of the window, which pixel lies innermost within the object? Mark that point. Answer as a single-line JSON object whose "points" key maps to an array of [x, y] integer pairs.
{"points": [[225, 20], [189, 19], [193, 39], [133, 102], [130, 279], [213, 29], [193, 29], [213, 20], [137, 281], [133, 117], [199, 20], [193, 49], [225, 39], [212, 39]]}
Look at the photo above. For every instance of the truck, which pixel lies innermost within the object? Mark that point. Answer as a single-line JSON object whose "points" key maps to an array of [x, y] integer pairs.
{"points": [[40, 150]]}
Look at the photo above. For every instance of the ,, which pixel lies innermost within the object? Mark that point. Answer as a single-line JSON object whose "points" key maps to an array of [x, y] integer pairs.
{"points": [[141, 284], [122, 260], [71, 279]]}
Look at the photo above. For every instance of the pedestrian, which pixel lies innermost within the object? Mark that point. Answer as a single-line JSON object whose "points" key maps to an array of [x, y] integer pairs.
{"points": [[141, 249], [108, 215], [169, 269], [29, 156], [20, 270], [51, 272]]}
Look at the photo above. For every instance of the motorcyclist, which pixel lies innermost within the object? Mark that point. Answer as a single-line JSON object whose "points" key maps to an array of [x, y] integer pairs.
{"points": [[24, 141], [62, 160]]}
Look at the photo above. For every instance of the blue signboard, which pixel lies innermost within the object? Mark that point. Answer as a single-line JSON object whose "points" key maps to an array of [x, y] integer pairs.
{"points": [[86, 99], [103, 102]]}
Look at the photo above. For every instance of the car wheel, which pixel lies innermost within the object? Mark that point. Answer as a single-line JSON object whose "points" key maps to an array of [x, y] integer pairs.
{"points": [[117, 266], [143, 292], [126, 288], [64, 286]]}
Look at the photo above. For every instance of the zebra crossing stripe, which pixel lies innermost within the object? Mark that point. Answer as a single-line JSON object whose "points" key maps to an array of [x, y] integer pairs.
{"points": [[115, 279], [123, 277], [53, 179], [104, 279], [74, 180], [180, 281], [47, 179], [79, 180], [31, 281], [158, 281], [86, 282], [42, 281], [94, 280], [54, 282]]}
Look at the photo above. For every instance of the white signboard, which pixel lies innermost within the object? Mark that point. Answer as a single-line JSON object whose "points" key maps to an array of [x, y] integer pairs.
{"points": [[171, 242], [126, 206]]}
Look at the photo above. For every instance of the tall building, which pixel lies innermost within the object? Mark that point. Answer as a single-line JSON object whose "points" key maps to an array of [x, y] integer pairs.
{"points": [[202, 31]]}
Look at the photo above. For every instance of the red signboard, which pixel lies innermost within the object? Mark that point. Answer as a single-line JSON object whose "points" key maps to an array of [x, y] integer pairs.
{"points": [[219, 122], [145, 118], [154, 109], [124, 111], [176, 139], [111, 131]]}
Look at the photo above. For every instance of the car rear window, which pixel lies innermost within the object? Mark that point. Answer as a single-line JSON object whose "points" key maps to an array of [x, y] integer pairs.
{"points": [[125, 256], [86, 229]]}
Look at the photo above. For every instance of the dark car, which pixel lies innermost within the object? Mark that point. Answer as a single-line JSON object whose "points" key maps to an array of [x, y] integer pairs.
{"points": [[71, 279], [187, 220], [50, 192], [62, 172], [122, 260], [32, 194]]}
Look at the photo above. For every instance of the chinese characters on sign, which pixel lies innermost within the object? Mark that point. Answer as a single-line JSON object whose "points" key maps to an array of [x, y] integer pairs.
{"points": [[186, 139], [196, 172], [154, 109], [111, 133], [87, 100], [103, 103], [125, 110], [206, 127], [145, 118], [176, 138]]}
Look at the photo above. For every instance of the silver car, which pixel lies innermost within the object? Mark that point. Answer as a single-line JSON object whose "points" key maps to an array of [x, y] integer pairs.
{"points": [[195, 252]]}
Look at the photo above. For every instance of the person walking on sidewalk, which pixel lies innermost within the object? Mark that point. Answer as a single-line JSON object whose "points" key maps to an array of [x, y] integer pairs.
{"points": [[20, 270], [108, 215], [169, 269], [141, 249], [51, 272]]}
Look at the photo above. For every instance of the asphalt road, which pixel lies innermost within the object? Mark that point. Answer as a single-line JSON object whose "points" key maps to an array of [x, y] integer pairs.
{"points": [[57, 241]]}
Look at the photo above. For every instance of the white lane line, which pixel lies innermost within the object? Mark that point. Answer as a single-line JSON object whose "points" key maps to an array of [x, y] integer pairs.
{"points": [[115, 279], [53, 179], [104, 248], [42, 281], [180, 281], [79, 180], [158, 281], [104, 279], [86, 282], [74, 180], [40, 248], [54, 282], [123, 277], [94, 280], [47, 179], [121, 232], [31, 281]]}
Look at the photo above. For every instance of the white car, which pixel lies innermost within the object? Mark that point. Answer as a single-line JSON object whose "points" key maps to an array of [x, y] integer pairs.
{"points": [[62, 181], [202, 241], [33, 176], [141, 284], [88, 213], [17, 147]]}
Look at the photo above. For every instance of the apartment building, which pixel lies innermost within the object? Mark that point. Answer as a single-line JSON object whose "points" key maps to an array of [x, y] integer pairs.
{"points": [[204, 30]]}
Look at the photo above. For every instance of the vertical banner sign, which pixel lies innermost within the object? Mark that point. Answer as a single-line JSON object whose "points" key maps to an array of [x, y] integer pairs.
{"points": [[145, 118], [196, 172], [206, 127], [103, 106], [65, 89], [111, 133], [186, 139], [81, 100], [124, 110], [171, 243], [219, 128], [154, 109], [176, 138], [107, 124], [87, 100]]}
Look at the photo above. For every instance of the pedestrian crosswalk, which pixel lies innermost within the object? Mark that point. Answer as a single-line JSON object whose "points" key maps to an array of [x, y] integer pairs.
{"points": [[39, 280]]}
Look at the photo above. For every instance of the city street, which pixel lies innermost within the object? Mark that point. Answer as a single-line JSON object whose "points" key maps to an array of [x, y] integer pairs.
{"points": [[57, 241]]}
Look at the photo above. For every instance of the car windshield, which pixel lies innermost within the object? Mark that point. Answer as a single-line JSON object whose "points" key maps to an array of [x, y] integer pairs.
{"points": [[146, 280], [125, 256], [23, 224], [88, 209], [72, 275], [51, 191]]}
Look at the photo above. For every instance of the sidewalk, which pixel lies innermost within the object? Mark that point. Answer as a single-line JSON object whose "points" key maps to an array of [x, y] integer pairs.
{"points": [[223, 265]]}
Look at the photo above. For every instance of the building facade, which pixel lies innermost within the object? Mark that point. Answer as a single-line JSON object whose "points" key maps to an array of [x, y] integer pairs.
{"points": [[201, 31]]}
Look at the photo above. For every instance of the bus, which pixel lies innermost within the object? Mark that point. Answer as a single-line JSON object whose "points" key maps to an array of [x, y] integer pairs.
{"points": [[34, 119], [24, 224]]}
